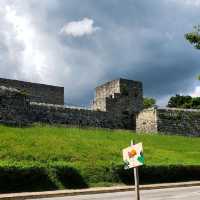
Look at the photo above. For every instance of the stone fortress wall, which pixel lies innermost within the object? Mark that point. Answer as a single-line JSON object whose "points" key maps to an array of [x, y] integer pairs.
{"points": [[123, 98], [13, 106], [119, 96], [107, 90], [117, 104], [18, 107], [146, 121], [169, 120], [37, 92]]}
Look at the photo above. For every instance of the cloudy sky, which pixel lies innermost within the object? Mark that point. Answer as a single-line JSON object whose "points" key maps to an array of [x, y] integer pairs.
{"points": [[79, 44]]}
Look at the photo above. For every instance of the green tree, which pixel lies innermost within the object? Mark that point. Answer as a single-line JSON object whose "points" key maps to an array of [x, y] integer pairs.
{"points": [[149, 102], [194, 39], [196, 102], [179, 101]]}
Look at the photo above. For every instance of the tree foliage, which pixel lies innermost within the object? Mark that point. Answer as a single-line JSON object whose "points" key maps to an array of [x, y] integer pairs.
{"points": [[149, 102], [179, 101], [194, 37]]}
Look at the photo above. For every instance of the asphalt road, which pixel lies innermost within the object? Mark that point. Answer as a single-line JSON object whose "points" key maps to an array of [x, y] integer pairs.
{"points": [[186, 193]]}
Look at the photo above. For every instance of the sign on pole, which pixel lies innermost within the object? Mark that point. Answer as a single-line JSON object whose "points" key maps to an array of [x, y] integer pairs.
{"points": [[133, 158]]}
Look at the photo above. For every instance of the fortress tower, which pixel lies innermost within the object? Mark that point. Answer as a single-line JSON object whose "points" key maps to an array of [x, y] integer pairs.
{"points": [[120, 96]]}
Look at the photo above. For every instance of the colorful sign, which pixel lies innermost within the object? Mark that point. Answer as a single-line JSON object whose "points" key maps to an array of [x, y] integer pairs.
{"points": [[133, 156]]}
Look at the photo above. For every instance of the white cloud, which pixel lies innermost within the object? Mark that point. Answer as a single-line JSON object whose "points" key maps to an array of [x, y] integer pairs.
{"points": [[30, 50], [79, 28], [196, 92]]}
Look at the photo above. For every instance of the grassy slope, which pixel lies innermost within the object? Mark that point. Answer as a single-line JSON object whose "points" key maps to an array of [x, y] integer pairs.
{"points": [[46, 144], [49, 158]]}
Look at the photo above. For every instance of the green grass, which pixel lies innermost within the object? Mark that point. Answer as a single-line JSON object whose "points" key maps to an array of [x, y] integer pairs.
{"points": [[46, 144], [88, 150]]}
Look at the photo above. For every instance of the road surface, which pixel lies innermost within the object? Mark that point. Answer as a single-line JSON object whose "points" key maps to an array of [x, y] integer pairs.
{"points": [[186, 193]]}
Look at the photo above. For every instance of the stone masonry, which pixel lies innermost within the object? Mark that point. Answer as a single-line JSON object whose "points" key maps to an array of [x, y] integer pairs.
{"points": [[121, 103], [53, 114], [122, 97], [119, 95], [117, 104], [14, 106], [169, 120], [37, 92], [146, 121]]}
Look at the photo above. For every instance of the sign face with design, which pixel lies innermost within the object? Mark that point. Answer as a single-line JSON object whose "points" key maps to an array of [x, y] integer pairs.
{"points": [[133, 156]]}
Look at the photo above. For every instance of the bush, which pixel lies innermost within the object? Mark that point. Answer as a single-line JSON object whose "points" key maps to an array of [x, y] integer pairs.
{"points": [[17, 179], [29, 177]]}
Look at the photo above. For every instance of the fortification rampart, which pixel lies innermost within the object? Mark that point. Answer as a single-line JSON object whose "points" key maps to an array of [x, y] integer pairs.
{"points": [[118, 104], [37, 92], [169, 120], [16, 108], [79, 117]]}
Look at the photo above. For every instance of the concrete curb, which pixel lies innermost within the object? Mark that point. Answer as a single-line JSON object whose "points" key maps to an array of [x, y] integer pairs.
{"points": [[62, 193]]}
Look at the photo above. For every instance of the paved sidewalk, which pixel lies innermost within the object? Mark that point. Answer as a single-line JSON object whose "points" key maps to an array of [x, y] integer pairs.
{"points": [[61, 193], [185, 193]]}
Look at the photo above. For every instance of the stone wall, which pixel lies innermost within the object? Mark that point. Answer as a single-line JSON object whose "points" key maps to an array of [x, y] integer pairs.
{"points": [[16, 108], [133, 91], [119, 96], [79, 117], [37, 92], [146, 121], [170, 121], [104, 91], [123, 98], [179, 121]]}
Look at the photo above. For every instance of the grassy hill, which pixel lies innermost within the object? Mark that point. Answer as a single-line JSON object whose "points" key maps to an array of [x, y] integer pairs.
{"points": [[49, 157]]}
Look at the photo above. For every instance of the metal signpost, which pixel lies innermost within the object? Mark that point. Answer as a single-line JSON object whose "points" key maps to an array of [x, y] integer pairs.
{"points": [[133, 158], [137, 188]]}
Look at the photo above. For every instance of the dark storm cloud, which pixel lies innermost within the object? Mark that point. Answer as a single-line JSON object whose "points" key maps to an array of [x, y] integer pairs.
{"points": [[141, 40]]}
